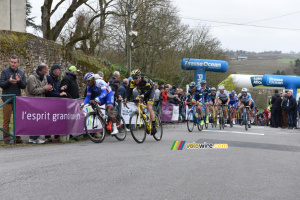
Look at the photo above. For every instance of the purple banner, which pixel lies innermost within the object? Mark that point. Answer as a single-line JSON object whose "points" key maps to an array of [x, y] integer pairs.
{"points": [[166, 112], [48, 116]]}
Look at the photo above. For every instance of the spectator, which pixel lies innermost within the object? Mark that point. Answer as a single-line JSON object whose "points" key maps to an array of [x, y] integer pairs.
{"points": [[12, 81], [276, 109], [284, 111], [166, 94], [116, 75], [37, 87], [70, 81], [298, 109], [52, 79], [291, 107], [99, 75], [123, 88]]}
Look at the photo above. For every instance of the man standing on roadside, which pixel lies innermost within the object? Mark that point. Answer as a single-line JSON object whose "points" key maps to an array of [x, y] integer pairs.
{"points": [[276, 110], [38, 87], [70, 82], [291, 107], [12, 81]]}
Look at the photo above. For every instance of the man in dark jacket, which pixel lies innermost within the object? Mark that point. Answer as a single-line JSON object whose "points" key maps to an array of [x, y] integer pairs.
{"points": [[12, 81], [285, 121], [291, 107], [276, 109], [52, 79], [116, 76], [70, 81], [123, 88]]}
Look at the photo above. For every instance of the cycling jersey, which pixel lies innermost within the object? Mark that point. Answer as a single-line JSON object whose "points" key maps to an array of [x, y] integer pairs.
{"points": [[105, 94], [206, 93], [195, 95], [145, 86], [213, 97], [233, 99], [245, 99], [223, 97]]}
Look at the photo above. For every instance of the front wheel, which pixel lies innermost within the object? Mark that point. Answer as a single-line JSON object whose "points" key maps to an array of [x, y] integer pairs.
{"points": [[190, 121], [159, 129], [94, 127], [138, 127], [121, 125], [246, 122]]}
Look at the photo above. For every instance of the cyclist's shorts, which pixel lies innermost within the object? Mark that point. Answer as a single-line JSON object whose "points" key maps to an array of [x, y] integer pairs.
{"points": [[234, 104], [251, 106], [108, 100], [245, 103], [149, 98], [223, 102]]}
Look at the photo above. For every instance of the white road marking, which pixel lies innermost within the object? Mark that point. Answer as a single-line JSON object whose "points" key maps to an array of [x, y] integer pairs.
{"points": [[247, 133]]}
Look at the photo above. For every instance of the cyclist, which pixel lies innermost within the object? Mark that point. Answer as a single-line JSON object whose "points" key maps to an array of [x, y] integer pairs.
{"points": [[252, 111], [147, 90], [205, 90], [245, 99], [223, 99], [213, 97], [105, 96], [196, 97], [267, 116], [233, 102]]}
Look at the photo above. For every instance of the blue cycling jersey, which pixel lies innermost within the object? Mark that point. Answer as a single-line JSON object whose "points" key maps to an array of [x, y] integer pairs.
{"points": [[195, 95], [206, 93]]}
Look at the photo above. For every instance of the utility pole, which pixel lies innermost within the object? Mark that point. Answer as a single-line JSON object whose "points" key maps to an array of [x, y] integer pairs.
{"points": [[128, 40]]}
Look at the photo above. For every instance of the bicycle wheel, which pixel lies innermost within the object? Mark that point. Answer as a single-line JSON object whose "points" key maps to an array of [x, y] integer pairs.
{"points": [[121, 125], [200, 128], [159, 129], [245, 121], [138, 127], [190, 121], [223, 124], [94, 127]]}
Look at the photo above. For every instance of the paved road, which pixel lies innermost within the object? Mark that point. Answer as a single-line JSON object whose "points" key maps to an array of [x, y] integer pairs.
{"points": [[263, 163]]}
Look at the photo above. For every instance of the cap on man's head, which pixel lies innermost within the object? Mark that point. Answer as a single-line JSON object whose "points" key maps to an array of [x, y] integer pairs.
{"points": [[73, 69], [54, 67]]}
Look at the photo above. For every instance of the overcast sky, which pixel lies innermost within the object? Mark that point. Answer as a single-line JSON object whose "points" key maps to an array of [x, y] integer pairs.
{"points": [[237, 37]]}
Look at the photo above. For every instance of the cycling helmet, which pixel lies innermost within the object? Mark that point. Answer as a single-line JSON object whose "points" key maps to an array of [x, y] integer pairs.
{"points": [[221, 87], [192, 84], [213, 89], [89, 76], [136, 72], [244, 90], [203, 82]]}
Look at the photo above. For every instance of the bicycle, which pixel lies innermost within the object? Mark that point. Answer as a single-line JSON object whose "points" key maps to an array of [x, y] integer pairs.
{"points": [[221, 117], [97, 124], [214, 120], [140, 124], [192, 119], [245, 118], [204, 117]]}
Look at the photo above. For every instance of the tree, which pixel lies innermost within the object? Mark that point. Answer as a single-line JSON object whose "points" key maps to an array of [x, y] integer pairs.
{"points": [[30, 20], [52, 33], [296, 67]]}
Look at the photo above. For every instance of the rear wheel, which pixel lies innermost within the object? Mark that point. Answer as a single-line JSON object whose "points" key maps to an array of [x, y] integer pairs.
{"points": [[190, 121], [94, 127], [245, 121], [159, 129], [138, 127]]}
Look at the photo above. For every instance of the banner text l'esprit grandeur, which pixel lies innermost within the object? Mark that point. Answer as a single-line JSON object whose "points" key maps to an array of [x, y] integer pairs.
{"points": [[48, 116]]}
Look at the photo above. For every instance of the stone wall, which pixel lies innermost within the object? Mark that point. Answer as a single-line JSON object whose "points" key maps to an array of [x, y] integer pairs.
{"points": [[34, 50]]}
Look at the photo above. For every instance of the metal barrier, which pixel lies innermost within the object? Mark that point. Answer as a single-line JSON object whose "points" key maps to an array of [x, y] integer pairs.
{"points": [[13, 99]]}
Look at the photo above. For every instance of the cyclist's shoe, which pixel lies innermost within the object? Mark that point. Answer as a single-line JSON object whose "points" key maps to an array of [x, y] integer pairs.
{"points": [[115, 132], [233, 122], [153, 131], [202, 122]]}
